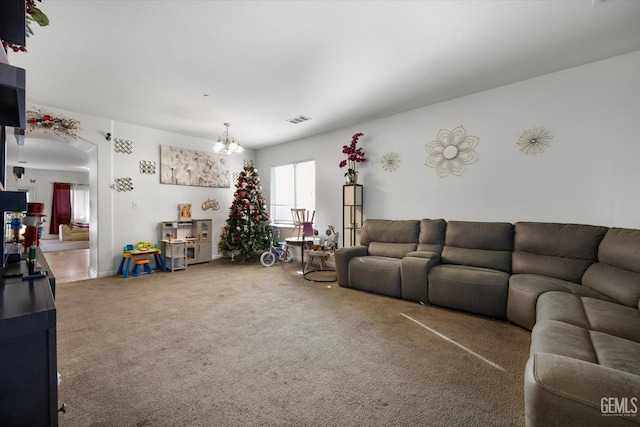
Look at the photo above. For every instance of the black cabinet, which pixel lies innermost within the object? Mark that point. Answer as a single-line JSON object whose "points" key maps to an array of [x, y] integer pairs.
{"points": [[13, 17], [28, 362], [12, 79], [12, 96]]}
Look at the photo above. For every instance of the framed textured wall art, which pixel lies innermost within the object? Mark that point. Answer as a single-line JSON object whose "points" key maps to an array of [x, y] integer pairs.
{"points": [[182, 166]]}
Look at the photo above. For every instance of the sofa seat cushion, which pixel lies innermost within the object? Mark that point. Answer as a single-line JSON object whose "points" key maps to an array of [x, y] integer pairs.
{"points": [[590, 313], [617, 353], [376, 274], [524, 290], [564, 339], [473, 289]]}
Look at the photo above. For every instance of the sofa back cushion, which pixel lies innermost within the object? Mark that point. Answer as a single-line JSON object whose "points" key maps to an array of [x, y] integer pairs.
{"points": [[431, 237], [390, 238], [617, 272], [479, 244], [563, 251], [390, 231]]}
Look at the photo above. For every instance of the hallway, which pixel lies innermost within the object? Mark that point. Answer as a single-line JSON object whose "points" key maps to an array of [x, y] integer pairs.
{"points": [[70, 265]]}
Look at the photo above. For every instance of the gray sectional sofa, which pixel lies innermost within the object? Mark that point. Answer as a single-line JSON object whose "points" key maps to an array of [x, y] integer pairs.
{"points": [[576, 287]]}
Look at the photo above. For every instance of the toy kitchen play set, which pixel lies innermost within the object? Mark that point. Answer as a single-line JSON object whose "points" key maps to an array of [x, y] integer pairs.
{"points": [[196, 234]]}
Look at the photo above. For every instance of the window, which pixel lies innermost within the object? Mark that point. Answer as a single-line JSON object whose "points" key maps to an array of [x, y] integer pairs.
{"points": [[80, 202], [292, 186]]}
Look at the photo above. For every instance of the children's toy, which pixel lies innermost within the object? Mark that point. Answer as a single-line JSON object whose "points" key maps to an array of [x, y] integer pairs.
{"points": [[274, 253]]}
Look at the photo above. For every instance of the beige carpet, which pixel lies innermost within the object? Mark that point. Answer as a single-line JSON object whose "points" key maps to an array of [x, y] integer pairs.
{"points": [[228, 344]]}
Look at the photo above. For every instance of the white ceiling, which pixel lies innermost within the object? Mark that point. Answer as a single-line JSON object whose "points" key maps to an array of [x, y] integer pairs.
{"points": [[260, 63]]}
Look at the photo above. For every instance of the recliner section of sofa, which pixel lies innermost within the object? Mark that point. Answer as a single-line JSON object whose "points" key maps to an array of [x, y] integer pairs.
{"points": [[549, 257], [381, 263], [376, 268], [474, 269]]}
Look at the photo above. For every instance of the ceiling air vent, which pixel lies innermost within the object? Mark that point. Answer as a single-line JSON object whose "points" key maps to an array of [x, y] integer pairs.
{"points": [[298, 119]]}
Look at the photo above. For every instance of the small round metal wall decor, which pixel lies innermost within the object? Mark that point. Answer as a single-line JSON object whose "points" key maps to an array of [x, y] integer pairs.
{"points": [[534, 140], [390, 162]]}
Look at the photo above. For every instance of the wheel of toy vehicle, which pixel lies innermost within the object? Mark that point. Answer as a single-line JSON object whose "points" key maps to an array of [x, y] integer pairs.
{"points": [[267, 259]]}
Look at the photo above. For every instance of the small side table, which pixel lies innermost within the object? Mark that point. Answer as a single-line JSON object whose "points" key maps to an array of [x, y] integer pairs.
{"points": [[323, 274], [322, 255], [296, 241]]}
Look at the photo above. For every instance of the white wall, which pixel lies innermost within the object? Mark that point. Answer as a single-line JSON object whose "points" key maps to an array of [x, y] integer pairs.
{"points": [[156, 202], [40, 185], [114, 220], [589, 175]]}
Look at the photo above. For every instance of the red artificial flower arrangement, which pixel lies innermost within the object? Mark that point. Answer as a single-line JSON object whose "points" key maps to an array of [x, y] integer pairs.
{"points": [[354, 155], [59, 125]]}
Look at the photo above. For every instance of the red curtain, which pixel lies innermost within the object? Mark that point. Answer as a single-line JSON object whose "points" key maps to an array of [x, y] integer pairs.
{"points": [[61, 206]]}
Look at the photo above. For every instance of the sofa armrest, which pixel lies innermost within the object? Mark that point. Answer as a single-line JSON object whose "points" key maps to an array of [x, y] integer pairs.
{"points": [[560, 391], [425, 254], [342, 258], [414, 270]]}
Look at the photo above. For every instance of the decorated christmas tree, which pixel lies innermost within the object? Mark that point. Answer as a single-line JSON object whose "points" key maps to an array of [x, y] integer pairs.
{"points": [[247, 230]]}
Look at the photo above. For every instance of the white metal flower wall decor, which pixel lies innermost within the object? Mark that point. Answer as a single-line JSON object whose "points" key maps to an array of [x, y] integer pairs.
{"points": [[390, 162], [534, 140], [451, 151]]}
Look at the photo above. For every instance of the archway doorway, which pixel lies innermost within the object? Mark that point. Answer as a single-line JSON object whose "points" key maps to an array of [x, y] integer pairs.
{"points": [[44, 159]]}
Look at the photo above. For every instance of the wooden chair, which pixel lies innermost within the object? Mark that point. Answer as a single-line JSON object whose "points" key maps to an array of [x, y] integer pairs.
{"points": [[302, 223], [300, 216]]}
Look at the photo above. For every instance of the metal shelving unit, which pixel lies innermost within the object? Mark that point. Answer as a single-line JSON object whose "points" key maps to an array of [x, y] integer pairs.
{"points": [[352, 217]]}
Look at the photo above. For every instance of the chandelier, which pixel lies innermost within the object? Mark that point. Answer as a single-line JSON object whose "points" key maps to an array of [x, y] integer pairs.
{"points": [[227, 144]]}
